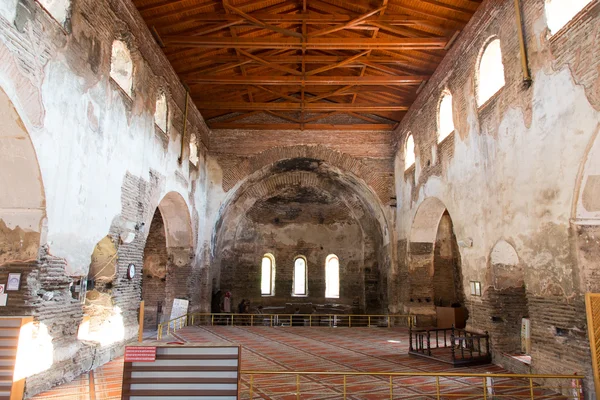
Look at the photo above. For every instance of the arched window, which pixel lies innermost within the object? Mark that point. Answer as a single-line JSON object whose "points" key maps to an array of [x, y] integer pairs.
{"points": [[332, 276], [409, 152], [121, 66], [267, 280], [445, 120], [299, 288], [58, 9], [490, 74], [193, 150], [161, 112], [559, 12]]}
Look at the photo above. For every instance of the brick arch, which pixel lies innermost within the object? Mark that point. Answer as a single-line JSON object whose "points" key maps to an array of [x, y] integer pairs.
{"points": [[360, 198], [177, 221], [427, 219], [22, 198], [342, 161]]}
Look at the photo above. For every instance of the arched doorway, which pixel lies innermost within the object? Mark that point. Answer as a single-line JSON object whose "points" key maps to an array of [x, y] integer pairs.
{"points": [[167, 259], [434, 261], [22, 199]]}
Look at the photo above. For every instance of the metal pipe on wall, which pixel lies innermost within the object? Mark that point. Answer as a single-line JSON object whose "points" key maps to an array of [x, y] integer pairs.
{"points": [[524, 63]]}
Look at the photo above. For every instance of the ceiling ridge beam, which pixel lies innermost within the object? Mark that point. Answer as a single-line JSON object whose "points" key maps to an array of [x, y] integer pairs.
{"points": [[284, 106], [429, 43], [312, 80]]}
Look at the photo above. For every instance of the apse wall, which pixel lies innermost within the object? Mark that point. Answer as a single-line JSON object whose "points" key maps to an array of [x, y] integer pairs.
{"points": [[512, 171], [104, 165], [301, 200]]}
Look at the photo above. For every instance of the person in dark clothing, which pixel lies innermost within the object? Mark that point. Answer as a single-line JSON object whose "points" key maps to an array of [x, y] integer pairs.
{"points": [[297, 319], [215, 303]]}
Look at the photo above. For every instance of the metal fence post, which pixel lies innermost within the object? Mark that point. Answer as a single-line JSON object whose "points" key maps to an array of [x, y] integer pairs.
{"points": [[531, 388], [298, 386], [251, 383], [391, 387], [437, 388], [484, 388], [344, 387]]}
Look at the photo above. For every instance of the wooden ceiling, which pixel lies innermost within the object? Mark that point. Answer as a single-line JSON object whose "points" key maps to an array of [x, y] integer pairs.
{"points": [[305, 64]]}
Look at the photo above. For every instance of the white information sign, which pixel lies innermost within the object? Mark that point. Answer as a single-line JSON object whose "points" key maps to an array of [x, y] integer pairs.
{"points": [[179, 309]]}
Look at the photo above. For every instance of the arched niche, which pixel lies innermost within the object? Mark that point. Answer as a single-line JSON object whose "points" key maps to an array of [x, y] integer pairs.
{"points": [[506, 271], [22, 198], [585, 216], [507, 297], [435, 273]]}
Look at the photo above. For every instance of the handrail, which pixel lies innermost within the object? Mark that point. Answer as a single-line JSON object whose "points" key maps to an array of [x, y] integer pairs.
{"points": [[331, 320], [444, 386], [434, 374]]}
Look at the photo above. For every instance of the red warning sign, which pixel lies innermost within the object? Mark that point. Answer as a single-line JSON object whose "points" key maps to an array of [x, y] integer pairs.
{"points": [[140, 354]]}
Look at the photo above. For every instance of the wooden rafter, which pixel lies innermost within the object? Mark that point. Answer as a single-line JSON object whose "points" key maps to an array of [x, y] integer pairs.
{"points": [[305, 61]]}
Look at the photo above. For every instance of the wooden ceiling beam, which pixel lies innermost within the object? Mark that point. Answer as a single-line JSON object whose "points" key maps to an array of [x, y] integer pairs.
{"points": [[279, 94], [283, 116], [450, 7], [348, 24], [338, 92], [311, 80], [337, 65], [269, 64], [292, 126], [431, 43], [260, 23], [310, 18], [281, 106]]}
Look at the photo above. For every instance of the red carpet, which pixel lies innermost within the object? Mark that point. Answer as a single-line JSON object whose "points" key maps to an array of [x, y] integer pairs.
{"points": [[321, 349]]}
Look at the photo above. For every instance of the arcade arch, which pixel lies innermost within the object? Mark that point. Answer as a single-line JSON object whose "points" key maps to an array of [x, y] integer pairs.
{"points": [[22, 197], [167, 259]]}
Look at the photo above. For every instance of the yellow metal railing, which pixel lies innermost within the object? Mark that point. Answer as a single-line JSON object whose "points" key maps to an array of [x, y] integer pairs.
{"points": [[325, 320], [403, 385]]}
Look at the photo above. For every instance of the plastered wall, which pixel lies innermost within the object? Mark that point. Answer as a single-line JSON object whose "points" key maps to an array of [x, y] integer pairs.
{"points": [[512, 170], [82, 160]]}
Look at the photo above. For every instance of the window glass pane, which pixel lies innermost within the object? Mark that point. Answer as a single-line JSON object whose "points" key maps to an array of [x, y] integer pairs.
{"points": [[559, 12], [332, 277], [446, 122], [265, 283], [300, 277], [491, 72]]}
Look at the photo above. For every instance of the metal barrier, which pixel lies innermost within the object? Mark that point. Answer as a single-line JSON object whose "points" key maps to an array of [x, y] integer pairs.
{"points": [[402, 385], [325, 320]]}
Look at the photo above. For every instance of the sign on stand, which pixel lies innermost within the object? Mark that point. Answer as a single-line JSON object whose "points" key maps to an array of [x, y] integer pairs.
{"points": [[140, 354], [179, 309]]}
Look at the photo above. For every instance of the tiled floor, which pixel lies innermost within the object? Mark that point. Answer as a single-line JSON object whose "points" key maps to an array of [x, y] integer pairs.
{"points": [[311, 349]]}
